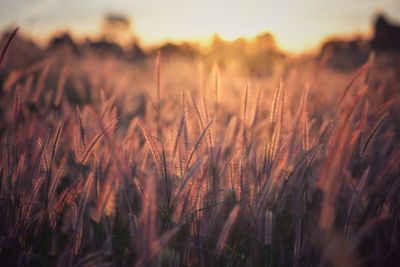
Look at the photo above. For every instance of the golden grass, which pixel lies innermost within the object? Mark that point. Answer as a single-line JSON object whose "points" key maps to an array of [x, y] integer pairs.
{"points": [[282, 171]]}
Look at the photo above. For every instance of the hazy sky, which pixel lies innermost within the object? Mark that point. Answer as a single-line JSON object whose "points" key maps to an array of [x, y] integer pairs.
{"points": [[296, 24]]}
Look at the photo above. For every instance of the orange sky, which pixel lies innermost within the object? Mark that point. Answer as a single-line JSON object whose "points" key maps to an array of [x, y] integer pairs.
{"points": [[297, 25]]}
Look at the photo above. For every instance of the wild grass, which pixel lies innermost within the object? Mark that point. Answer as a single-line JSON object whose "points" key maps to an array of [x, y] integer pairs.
{"points": [[278, 172]]}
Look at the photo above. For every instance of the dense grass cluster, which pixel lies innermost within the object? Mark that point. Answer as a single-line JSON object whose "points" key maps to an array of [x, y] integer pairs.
{"points": [[104, 164]]}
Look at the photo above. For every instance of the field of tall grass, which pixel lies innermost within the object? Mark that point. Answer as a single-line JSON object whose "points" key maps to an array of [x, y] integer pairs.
{"points": [[181, 163]]}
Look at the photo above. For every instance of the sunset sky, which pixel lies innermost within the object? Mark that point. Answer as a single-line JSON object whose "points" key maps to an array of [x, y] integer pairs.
{"points": [[297, 25]]}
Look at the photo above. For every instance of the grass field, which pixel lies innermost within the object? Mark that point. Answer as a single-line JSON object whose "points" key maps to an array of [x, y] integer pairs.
{"points": [[173, 162]]}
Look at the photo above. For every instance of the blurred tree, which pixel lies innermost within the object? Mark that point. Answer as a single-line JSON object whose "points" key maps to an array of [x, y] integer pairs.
{"points": [[265, 42], [117, 28]]}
